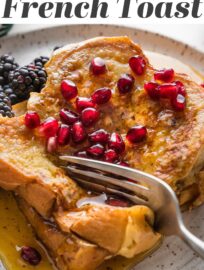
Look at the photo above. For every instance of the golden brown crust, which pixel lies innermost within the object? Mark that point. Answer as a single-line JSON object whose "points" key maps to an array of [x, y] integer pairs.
{"points": [[175, 140], [24, 154]]}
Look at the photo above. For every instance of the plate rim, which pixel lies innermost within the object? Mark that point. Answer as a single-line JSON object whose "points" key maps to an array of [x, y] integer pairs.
{"points": [[129, 27]]}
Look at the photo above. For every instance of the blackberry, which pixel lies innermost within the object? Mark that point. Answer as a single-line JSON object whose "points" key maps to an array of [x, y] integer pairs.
{"points": [[10, 94], [27, 79], [40, 61], [7, 64], [5, 104]]}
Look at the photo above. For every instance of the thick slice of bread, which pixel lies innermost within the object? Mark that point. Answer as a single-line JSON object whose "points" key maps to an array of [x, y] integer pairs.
{"points": [[174, 147], [30, 171]]}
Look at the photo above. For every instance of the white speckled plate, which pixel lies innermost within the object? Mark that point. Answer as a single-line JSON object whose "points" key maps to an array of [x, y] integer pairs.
{"points": [[173, 255]]}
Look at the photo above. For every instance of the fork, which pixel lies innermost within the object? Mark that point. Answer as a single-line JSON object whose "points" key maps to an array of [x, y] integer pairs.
{"points": [[143, 189]]}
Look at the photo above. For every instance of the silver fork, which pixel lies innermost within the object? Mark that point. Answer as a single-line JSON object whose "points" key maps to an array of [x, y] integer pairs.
{"points": [[147, 190]]}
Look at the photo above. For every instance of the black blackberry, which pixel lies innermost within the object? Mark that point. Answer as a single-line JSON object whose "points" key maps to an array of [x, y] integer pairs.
{"points": [[10, 94], [40, 61], [5, 104], [27, 79], [7, 64]]}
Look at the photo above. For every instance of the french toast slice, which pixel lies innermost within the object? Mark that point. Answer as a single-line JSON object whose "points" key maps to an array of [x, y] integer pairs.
{"points": [[27, 169], [173, 150]]}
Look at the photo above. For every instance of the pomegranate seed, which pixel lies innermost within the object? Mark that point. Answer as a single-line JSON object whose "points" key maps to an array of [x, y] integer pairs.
{"points": [[50, 127], [68, 117], [101, 96], [81, 153], [117, 202], [99, 136], [137, 64], [78, 132], [52, 144], [179, 103], [181, 88], [152, 90], [136, 134], [110, 155], [98, 66], [68, 90], [123, 163], [125, 83], [89, 116], [202, 85], [30, 255], [168, 90], [95, 151], [32, 120], [165, 75], [116, 142], [63, 135], [83, 103]]}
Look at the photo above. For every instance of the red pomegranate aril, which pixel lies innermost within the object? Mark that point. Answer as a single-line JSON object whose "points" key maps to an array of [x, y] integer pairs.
{"points": [[81, 153], [83, 103], [137, 134], [168, 90], [101, 96], [68, 117], [68, 90], [152, 89], [202, 85], [179, 103], [165, 75], [125, 83], [52, 144], [89, 116], [180, 88], [95, 151], [78, 132], [32, 120], [110, 155], [123, 163], [30, 255], [50, 127], [116, 142], [99, 136], [98, 66], [137, 64], [117, 202], [63, 135]]}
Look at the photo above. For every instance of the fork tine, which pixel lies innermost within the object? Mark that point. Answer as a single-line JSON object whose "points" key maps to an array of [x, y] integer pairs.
{"points": [[102, 188], [133, 187], [130, 173]]}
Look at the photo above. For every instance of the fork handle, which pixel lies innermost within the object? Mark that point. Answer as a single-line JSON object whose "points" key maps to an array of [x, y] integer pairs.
{"points": [[192, 241]]}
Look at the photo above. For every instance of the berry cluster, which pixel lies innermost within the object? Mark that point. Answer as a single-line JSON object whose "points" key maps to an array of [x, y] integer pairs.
{"points": [[25, 80], [17, 83], [74, 125], [165, 87]]}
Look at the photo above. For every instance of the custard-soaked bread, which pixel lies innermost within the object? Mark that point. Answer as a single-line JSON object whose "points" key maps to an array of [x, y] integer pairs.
{"points": [[172, 151], [75, 251], [27, 168]]}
